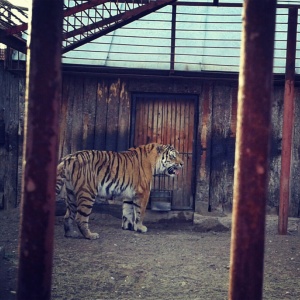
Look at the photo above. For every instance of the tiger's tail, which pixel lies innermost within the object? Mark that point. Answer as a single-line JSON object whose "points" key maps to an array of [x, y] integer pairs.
{"points": [[60, 180]]}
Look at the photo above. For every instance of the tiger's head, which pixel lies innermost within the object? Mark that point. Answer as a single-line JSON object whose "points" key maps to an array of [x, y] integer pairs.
{"points": [[169, 163]]}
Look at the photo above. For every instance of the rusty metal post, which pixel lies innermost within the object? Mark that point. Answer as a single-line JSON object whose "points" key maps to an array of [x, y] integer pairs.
{"points": [[43, 91], [252, 149], [288, 122]]}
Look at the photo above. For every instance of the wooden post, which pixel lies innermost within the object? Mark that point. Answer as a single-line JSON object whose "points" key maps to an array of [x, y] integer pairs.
{"points": [[252, 147], [288, 122], [43, 91]]}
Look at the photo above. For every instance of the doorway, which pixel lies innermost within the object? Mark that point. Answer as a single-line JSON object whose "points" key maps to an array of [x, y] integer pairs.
{"points": [[169, 119]]}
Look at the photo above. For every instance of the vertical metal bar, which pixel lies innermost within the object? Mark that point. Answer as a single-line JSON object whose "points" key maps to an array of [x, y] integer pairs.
{"points": [[252, 147], [43, 91], [173, 39], [288, 122]]}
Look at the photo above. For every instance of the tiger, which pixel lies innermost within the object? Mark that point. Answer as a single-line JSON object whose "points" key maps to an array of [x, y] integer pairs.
{"points": [[127, 176]]}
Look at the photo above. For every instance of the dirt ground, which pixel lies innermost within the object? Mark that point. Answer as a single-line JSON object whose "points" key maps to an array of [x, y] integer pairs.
{"points": [[171, 261]]}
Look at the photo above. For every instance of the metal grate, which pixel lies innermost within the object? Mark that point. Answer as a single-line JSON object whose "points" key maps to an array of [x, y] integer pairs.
{"points": [[161, 200]]}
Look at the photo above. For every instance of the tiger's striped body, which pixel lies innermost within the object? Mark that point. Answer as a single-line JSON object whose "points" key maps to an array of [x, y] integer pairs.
{"points": [[125, 175]]}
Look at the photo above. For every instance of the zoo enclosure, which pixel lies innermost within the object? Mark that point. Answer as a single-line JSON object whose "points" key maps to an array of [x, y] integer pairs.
{"points": [[184, 40], [253, 278]]}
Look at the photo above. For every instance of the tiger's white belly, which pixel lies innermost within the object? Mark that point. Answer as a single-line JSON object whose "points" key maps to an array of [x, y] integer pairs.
{"points": [[109, 190]]}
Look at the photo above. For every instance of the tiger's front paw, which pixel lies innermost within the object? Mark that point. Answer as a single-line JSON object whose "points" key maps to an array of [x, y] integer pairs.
{"points": [[93, 236], [140, 228]]}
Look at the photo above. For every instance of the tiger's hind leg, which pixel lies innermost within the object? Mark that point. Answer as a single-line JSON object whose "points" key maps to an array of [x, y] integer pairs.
{"points": [[140, 205], [127, 215], [84, 209], [70, 215]]}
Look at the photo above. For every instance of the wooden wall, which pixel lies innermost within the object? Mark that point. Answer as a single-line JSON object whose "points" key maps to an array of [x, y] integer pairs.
{"points": [[12, 98], [95, 114]]}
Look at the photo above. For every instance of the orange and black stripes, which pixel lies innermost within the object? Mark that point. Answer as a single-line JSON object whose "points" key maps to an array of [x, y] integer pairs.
{"points": [[127, 175]]}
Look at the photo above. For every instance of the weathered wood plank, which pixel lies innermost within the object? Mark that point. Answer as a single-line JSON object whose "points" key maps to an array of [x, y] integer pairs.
{"points": [[159, 128], [155, 122], [150, 131], [222, 157], [144, 126], [22, 88], [177, 134], [113, 116], [191, 122], [179, 197], [64, 146], [275, 148], [89, 112], [172, 124], [101, 115], [3, 137], [294, 207], [167, 122], [76, 114], [11, 165], [124, 118], [204, 150], [138, 115]]}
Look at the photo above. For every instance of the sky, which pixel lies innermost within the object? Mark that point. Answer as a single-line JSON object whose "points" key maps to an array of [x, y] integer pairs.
{"points": [[23, 3]]}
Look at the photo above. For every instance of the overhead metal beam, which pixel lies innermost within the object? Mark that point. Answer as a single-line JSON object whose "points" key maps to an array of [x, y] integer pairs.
{"points": [[110, 24], [12, 41], [81, 7], [227, 4], [67, 12], [16, 29], [119, 20]]}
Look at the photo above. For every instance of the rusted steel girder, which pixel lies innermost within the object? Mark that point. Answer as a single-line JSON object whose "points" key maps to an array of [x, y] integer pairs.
{"points": [[105, 25], [67, 12], [114, 22], [43, 92], [81, 7], [12, 41], [252, 149], [288, 122]]}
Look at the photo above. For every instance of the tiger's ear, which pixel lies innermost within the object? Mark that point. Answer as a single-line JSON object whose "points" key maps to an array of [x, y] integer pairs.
{"points": [[160, 149], [170, 147]]}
